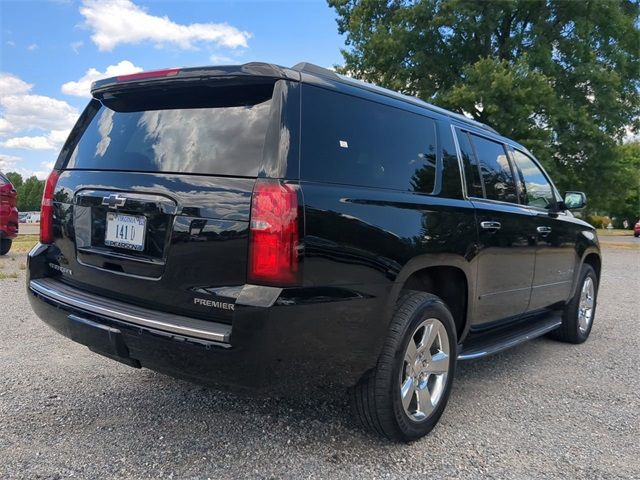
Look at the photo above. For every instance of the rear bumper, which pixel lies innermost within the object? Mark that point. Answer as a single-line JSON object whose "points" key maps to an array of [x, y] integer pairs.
{"points": [[281, 348]]}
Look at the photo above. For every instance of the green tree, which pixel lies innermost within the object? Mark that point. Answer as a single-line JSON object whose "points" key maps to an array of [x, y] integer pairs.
{"points": [[15, 178], [562, 77], [626, 205], [29, 191]]}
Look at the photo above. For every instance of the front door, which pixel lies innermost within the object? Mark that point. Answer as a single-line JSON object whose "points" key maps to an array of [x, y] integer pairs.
{"points": [[555, 236]]}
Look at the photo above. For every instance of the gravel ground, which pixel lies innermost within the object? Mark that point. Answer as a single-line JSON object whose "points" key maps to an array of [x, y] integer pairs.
{"points": [[543, 409]]}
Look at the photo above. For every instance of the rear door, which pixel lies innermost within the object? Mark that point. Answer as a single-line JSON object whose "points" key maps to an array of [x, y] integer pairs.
{"points": [[153, 202], [506, 253]]}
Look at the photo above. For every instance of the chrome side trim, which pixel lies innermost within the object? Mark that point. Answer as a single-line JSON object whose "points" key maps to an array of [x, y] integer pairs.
{"points": [[190, 327]]}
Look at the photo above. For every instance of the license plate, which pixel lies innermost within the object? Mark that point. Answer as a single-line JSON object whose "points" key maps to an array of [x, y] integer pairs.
{"points": [[125, 231]]}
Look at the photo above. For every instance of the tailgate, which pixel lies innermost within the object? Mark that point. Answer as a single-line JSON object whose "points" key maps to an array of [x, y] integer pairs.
{"points": [[192, 232]]}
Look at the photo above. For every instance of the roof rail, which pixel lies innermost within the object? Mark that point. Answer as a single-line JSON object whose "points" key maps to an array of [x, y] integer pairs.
{"points": [[310, 68]]}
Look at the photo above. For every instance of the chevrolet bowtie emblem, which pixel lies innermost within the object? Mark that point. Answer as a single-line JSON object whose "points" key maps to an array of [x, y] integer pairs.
{"points": [[114, 201]]}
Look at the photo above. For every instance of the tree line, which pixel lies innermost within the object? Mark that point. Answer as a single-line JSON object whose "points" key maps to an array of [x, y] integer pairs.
{"points": [[29, 191], [562, 77]]}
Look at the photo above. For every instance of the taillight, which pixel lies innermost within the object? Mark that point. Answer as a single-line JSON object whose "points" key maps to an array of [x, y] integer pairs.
{"points": [[46, 210], [273, 234]]}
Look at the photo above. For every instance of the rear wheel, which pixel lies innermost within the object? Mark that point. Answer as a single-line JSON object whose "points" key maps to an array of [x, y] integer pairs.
{"points": [[579, 313], [405, 395], [5, 246]]}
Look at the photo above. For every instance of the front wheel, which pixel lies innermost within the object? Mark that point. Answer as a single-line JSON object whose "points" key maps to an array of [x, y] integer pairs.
{"points": [[403, 397], [5, 246], [579, 313]]}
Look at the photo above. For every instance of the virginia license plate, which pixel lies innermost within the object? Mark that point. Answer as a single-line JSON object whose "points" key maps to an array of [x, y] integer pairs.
{"points": [[125, 231]]}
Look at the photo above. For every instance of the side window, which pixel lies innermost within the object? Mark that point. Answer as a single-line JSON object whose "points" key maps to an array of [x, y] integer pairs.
{"points": [[495, 169], [471, 169], [349, 140], [536, 189]]}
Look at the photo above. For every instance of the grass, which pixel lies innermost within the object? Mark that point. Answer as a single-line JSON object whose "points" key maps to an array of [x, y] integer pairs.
{"points": [[5, 275], [626, 246], [24, 243], [614, 232]]}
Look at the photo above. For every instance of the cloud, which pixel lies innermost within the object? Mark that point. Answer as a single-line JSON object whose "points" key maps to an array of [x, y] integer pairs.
{"points": [[29, 121], [21, 110], [52, 141], [76, 46], [11, 43], [30, 143], [32, 47], [12, 85], [26, 112], [7, 162], [115, 22], [82, 87]]}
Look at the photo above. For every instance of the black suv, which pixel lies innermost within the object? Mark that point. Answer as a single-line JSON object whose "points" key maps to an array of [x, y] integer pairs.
{"points": [[265, 227]]}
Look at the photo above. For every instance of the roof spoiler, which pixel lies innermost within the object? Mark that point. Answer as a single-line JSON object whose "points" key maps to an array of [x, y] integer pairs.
{"points": [[254, 71]]}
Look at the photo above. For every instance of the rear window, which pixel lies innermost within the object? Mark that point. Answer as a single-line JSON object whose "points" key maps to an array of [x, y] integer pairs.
{"points": [[206, 131], [349, 140]]}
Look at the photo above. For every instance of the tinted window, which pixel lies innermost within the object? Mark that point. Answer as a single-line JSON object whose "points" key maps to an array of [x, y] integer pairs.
{"points": [[357, 142], [471, 168], [495, 170], [226, 139], [535, 187]]}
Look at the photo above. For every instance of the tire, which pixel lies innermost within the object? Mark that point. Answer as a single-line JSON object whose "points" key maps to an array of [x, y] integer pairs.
{"points": [[576, 328], [377, 398], [5, 246]]}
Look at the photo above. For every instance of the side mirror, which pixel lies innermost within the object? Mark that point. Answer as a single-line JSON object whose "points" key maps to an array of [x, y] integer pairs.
{"points": [[574, 200]]}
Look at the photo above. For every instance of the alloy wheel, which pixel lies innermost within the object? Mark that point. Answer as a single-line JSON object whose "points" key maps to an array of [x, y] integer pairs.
{"points": [[423, 376], [585, 306]]}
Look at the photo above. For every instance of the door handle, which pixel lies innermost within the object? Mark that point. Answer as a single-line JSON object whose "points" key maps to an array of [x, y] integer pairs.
{"points": [[544, 231], [491, 226]]}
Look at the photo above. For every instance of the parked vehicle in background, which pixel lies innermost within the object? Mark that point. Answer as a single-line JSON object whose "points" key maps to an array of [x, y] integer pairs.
{"points": [[33, 217], [22, 216], [274, 228], [8, 214]]}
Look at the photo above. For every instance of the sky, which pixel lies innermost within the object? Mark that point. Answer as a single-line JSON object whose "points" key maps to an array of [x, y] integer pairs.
{"points": [[51, 51]]}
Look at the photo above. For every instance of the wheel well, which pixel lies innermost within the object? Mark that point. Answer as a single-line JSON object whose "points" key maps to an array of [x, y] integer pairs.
{"points": [[593, 259], [448, 283]]}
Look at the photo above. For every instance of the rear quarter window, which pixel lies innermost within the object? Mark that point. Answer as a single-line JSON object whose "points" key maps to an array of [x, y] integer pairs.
{"points": [[352, 141]]}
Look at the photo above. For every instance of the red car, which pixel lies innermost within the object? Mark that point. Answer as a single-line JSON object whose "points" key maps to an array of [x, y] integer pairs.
{"points": [[8, 214], [636, 229]]}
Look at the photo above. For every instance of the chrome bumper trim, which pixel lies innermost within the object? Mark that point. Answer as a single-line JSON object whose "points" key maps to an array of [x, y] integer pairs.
{"points": [[190, 327]]}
